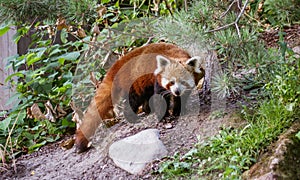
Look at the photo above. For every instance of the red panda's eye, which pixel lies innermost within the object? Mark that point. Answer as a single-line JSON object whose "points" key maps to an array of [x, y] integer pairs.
{"points": [[172, 82]]}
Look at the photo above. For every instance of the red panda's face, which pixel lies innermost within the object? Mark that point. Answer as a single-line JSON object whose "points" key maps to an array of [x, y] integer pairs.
{"points": [[176, 77], [176, 87]]}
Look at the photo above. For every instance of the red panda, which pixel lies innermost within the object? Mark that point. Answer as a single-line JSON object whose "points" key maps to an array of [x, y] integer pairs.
{"points": [[156, 69]]}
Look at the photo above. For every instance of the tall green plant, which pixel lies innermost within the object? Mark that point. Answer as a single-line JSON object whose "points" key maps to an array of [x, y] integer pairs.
{"points": [[285, 82]]}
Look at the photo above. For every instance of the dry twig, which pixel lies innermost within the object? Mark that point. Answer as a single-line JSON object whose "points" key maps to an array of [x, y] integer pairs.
{"points": [[235, 23], [228, 9]]}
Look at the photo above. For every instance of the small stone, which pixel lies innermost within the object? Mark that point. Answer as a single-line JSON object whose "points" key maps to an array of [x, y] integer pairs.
{"points": [[168, 126], [297, 51]]}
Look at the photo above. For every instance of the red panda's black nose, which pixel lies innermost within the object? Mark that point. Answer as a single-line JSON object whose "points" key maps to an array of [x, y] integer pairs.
{"points": [[177, 92]]}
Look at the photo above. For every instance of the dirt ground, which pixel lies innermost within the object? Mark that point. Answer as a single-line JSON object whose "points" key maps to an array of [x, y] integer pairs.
{"points": [[52, 162]]}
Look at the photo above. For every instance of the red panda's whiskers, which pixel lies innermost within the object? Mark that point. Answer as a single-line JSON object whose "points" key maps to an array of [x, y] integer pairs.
{"points": [[165, 93]]}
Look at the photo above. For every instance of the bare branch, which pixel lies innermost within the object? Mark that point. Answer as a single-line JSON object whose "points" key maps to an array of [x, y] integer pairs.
{"points": [[237, 29], [242, 11], [235, 23], [185, 5], [168, 7], [221, 28], [149, 40], [228, 9]]}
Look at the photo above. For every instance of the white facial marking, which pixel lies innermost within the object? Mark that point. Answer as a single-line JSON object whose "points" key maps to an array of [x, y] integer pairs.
{"points": [[177, 87], [173, 89], [191, 82], [164, 82]]}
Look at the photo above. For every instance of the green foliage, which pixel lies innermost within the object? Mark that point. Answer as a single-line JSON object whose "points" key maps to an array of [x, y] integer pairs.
{"points": [[285, 82], [276, 13], [286, 85], [231, 152], [83, 12], [222, 85], [298, 135], [50, 74], [249, 66], [3, 29], [29, 11], [281, 75], [42, 75], [282, 13]]}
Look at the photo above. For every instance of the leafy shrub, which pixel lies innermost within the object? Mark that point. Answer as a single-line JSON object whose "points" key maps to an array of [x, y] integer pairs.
{"points": [[44, 78], [50, 74]]}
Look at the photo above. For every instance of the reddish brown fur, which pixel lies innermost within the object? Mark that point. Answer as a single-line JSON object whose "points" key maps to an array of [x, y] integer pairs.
{"points": [[119, 80]]}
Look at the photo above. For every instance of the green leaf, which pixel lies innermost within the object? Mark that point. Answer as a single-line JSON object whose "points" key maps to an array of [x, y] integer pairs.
{"points": [[117, 5], [41, 51], [70, 56], [61, 61], [4, 30], [115, 25], [298, 135], [17, 37], [36, 146], [55, 51], [67, 123], [18, 117], [21, 116], [52, 65], [5, 123], [52, 139], [64, 36], [18, 74], [28, 135], [35, 128], [33, 60], [14, 99], [105, 1]]}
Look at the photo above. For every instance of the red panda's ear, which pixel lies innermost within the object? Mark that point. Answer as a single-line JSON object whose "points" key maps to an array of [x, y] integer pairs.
{"points": [[162, 62], [195, 63]]}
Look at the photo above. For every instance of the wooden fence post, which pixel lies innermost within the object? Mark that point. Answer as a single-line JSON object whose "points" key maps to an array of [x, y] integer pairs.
{"points": [[7, 48]]}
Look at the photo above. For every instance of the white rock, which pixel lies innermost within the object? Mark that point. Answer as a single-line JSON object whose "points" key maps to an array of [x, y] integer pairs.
{"points": [[168, 126], [297, 51], [134, 152]]}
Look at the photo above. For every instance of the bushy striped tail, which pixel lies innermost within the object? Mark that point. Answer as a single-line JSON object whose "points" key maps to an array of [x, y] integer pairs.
{"points": [[99, 110]]}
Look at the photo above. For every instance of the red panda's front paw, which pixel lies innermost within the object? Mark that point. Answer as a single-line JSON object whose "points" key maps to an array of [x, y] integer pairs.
{"points": [[81, 143]]}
